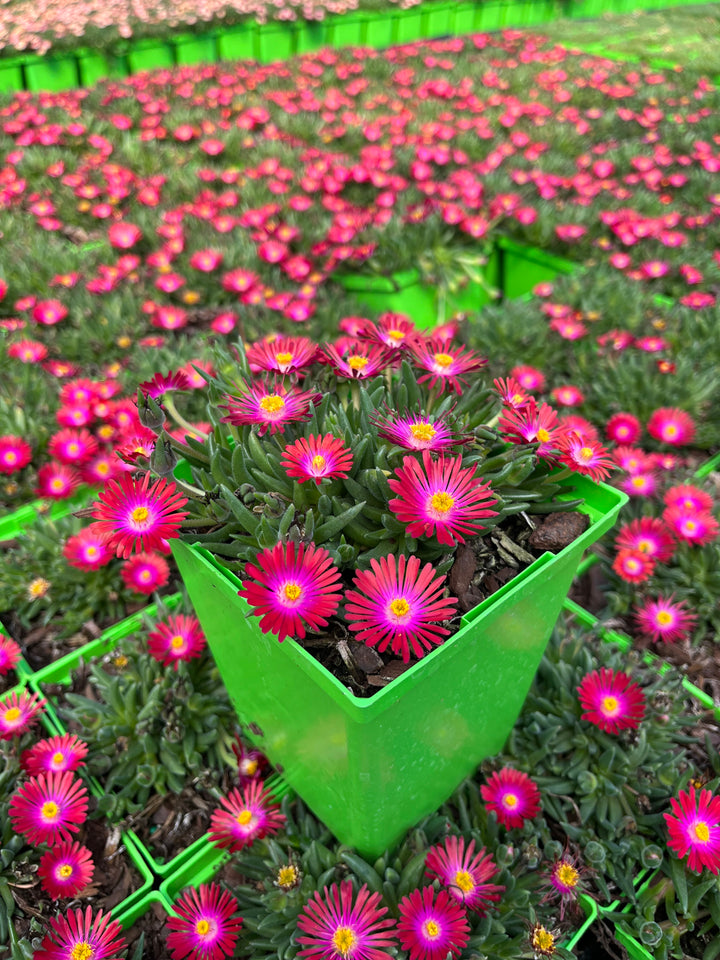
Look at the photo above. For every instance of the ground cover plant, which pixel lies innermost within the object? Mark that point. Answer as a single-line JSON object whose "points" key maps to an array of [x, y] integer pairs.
{"points": [[172, 229]]}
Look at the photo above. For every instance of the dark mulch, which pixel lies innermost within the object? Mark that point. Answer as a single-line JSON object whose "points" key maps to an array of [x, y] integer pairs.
{"points": [[147, 936]]}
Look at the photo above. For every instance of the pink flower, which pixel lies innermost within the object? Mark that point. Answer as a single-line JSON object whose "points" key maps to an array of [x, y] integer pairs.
{"points": [[465, 875], [205, 926], [338, 924], [664, 620], [694, 828], [432, 926], [317, 458], [611, 701], [512, 795], [245, 816], [672, 426]]}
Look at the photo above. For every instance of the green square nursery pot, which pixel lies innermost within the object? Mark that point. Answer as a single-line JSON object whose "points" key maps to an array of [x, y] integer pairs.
{"points": [[381, 30], [371, 768], [196, 49], [312, 35], [51, 73], [150, 55], [237, 42], [11, 75], [438, 18], [521, 268], [409, 25], [347, 30], [276, 41]]}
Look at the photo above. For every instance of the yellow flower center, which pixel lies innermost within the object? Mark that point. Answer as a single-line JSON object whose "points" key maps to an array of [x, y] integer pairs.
{"points": [[431, 929], [82, 951], [287, 876], [244, 817], [64, 871], [91, 552], [399, 607], [664, 618], [510, 800], [140, 514], [567, 875], [249, 767], [38, 588], [610, 705], [11, 457], [284, 357], [58, 759], [542, 939], [49, 810], [357, 363], [691, 526], [319, 462], [177, 641], [12, 715], [422, 431], [464, 881], [292, 591], [102, 468], [57, 483], [441, 502], [73, 448], [702, 831], [272, 403], [638, 481], [444, 359], [396, 334], [542, 435], [202, 927], [671, 430], [585, 454], [343, 940], [124, 342], [145, 576]]}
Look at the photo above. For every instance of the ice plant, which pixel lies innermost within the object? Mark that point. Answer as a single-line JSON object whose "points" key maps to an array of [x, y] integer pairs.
{"points": [[417, 432], [533, 424], [55, 755], [672, 426], [18, 712], [693, 527], [341, 925], [512, 795], [317, 458], [649, 536], [662, 619], [432, 926], [585, 456], [138, 515], [564, 879], [145, 572], [65, 870], [179, 638], [282, 355], [686, 496], [244, 816], [464, 873], [444, 366], [87, 550], [205, 927], [633, 566], [9, 655], [543, 942], [694, 828], [15, 453], [398, 604], [270, 407], [49, 807], [623, 428], [293, 588], [440, 498], [611, 701], [80, 936]]}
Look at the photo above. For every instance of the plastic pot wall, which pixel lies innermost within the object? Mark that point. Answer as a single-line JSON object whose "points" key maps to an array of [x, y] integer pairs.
{"points": [[371, 768]]}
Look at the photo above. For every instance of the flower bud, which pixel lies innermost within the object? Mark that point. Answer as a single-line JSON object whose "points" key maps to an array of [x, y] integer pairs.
{"points": [[150, 413], [163, 459], [594, 853]]}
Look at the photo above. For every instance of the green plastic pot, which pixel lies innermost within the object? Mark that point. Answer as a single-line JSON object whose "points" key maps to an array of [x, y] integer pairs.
{"points": [[521, 268], [708, 467], [202, 862], [13, 524], [127, 916], [492, 15], [276, 41], [404, 292], [97, 65], [381, 30], [237, 42], [312, 35], [437, 18], [347, 30], [371, 768], [150, 55], [11, 75], [51, 73], [409, 25], [465, 16], [191, 49]]}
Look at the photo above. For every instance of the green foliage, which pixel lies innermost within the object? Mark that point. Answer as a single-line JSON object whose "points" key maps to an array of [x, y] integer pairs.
{"points": [[149, 728]]}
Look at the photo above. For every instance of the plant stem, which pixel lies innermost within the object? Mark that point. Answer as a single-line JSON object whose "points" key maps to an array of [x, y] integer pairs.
{"points": [[180, 420]]}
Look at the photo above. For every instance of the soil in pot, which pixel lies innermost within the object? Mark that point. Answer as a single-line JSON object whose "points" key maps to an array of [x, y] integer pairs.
{"points": [[147, 936]]}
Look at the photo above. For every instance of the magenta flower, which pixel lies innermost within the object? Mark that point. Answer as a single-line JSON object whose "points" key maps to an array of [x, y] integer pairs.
{"points": [[397, 604], [686, 496], [134, 515], [511, 392], [180, 638], [672, 426], [512, 795], [417, 432], [204, 927], [9, 655], [56, 481], [49, 807], [529, 378], [145, 572], [432, 927], [359, 361], [87, 550], [568, 395], [282, 355], [586, 457], [73, 446], [245, 815], [533, 424], [664, 620], [292, 591], [564, 879], [692, 527], [611, 700], [338, 926], [393, 330], [160, 384], [317, 458], [465, 873], [15, 453], [65, 870], [78, 935], [441, 498], [270, 408], [443, 365], [18, 712], [55, 755], [694, 828], [632, 566], [623, 428], [647, 535]]}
